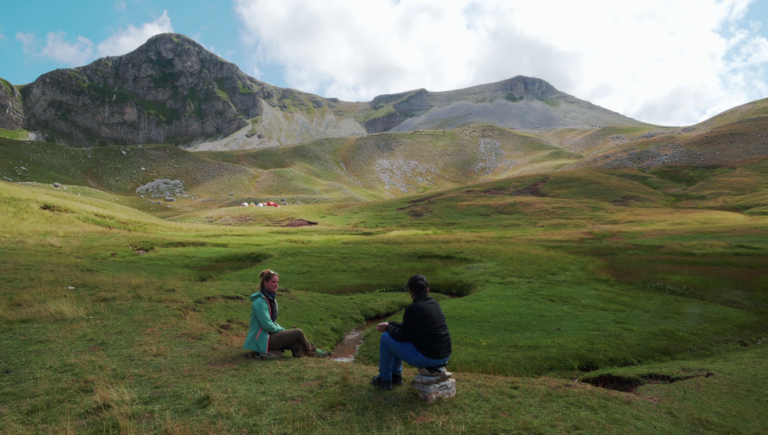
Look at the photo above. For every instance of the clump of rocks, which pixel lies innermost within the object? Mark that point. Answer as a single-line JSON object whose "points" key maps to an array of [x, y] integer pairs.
{"points": [[434, 385], [162, 188]]}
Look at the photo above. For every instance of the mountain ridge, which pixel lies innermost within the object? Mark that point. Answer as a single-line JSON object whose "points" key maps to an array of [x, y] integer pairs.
{"points": [[172, 90]]}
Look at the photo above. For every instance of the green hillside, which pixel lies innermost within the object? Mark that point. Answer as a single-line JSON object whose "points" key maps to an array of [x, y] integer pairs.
{"points": [[594, 281], [558, 283]]}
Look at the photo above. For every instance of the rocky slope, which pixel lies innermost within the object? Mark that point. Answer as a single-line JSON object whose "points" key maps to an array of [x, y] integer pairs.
{"points": [[172, 90], [11, 107], [169, 90], [521, 103]]}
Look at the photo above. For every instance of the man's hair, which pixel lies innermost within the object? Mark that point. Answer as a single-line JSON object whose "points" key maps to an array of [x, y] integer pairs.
{"points": [[417, 284]]}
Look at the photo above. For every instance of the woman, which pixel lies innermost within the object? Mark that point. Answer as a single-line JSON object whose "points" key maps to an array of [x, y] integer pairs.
{"points": [[422, 339], [266, 337]]}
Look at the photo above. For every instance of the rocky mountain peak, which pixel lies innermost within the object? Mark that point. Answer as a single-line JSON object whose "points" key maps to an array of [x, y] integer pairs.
{"points": [[172, 90]]}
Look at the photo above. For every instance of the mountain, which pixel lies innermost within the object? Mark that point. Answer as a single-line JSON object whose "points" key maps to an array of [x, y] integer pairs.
{"points": [[521, 103], [169, 90], [172, 90]]}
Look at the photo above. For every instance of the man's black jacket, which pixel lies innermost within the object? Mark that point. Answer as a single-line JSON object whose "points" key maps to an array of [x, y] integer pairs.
{"points": [[424, 326]]}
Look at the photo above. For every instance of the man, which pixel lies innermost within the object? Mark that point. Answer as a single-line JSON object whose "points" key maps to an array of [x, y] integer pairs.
{"points": [[422, 340]]}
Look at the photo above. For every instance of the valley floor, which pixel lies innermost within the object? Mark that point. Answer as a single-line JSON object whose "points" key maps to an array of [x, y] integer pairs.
{"points": [[568, 314]]}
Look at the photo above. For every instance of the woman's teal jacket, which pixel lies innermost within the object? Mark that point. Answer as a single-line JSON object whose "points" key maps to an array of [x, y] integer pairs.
{"points": [[261, 324]]}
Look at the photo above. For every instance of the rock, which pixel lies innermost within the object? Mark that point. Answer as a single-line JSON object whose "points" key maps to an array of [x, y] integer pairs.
{"points": [[56, 185], [162, 187], [433, 388], [70, 288], [170, 200], [231, 194], [431, 393], [7, 179], [124, 153], [11, 107]]}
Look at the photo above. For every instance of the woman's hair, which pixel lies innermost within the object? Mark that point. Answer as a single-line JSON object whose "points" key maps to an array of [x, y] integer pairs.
{"points": [[417, 284], [266, 275]]}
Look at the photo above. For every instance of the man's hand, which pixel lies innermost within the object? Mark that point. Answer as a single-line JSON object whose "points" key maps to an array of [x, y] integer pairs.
{"points": [[382, 327]]}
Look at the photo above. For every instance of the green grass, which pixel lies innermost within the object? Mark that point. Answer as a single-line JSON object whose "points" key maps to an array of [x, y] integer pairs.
{"points": [[557, 281], [14, 134], [378, 113]]}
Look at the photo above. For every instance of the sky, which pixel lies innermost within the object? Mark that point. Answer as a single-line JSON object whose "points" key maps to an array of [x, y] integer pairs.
{"points": [[667, 62]]}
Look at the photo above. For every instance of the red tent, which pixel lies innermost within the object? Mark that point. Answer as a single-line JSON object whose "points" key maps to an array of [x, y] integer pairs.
{"points": [[272, 204]]}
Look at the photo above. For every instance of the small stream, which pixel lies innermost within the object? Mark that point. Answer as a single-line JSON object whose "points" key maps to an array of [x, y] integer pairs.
{"points": [[346, 350]]}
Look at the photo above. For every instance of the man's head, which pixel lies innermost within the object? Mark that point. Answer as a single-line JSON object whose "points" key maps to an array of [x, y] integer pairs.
{"points": [[417, 284]]}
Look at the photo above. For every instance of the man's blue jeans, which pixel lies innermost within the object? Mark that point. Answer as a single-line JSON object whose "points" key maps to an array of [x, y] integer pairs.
{"points": [[392, 353]]}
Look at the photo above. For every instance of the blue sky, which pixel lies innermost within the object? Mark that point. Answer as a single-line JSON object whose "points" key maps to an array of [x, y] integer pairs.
{"points": [[212, 23], [668, 62]]}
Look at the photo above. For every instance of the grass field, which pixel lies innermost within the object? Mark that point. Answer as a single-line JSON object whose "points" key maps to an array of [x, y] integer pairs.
{"points": [[121, 316], [592, 300]]}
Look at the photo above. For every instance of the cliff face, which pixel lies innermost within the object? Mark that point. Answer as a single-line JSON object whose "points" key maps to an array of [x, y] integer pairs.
{"points": [[170, 89], [11, 107]]}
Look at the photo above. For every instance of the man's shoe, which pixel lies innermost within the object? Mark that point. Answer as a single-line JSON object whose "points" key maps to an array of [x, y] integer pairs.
{"points": [[381, 383], [437, 372], [397, 380], [320, 353]]}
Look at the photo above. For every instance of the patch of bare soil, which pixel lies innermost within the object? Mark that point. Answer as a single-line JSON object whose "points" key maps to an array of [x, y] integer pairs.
{"points": [[623, 202], [426, 198], [53, 208], [214, 298], [493, 192], [415, 212], [299, 223], [629, 384], [532, 190], [235, 220]]}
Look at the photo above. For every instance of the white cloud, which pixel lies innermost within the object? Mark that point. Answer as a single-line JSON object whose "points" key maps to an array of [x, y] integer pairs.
{"points": [[65, 52], [661, 61], [28, 42], [82, 51], [130, 38]]}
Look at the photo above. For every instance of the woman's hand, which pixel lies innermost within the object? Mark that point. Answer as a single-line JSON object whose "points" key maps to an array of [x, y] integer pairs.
{"points": [[382, 327]]}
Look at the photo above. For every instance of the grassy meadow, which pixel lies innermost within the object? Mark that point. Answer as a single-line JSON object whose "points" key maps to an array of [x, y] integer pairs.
{"points": [[579, 301]]}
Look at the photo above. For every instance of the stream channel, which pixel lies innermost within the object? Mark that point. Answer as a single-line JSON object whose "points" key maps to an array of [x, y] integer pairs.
{"points": [[347, 348]]}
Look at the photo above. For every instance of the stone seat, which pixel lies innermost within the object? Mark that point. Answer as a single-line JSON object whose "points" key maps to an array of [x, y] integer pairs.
{"points": [[433, 388]]}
